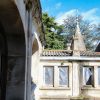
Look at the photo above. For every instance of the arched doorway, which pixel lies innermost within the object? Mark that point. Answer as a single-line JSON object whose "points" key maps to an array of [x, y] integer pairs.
{"points": [[12, 52]]}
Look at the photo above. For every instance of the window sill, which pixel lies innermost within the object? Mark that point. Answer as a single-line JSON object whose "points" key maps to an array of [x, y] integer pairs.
{"points": [[90, 87], [54, 97], [54, 88]]}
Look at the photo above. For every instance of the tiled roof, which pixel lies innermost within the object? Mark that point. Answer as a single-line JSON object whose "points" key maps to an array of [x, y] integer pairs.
{"points": [[89, 53], [56, 53], [64, 53]]}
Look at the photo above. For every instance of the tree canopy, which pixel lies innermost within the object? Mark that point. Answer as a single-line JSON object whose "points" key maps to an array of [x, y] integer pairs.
{"points": [[91, 32], [57, 36], [53, 39]]}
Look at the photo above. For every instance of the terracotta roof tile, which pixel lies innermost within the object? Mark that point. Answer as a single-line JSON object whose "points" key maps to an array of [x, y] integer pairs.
{"points": [[90, 53], [64, 53], [56, 53]]}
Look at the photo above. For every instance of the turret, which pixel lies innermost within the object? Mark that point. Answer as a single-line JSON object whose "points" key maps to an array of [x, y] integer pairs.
{"points": [[78, 41]]}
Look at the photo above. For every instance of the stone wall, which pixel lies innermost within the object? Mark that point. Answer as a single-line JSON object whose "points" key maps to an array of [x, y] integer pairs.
{"points": [[16, 67], [75, 89]]}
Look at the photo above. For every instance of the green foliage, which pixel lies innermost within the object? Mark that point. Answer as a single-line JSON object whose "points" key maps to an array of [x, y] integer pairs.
{"points": [[52, 33], [56, 40]]}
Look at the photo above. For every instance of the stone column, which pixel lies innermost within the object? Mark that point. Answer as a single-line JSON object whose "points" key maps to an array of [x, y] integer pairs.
{"points": [[95, 76], [28, 58], [56, 76], [75, 79]]}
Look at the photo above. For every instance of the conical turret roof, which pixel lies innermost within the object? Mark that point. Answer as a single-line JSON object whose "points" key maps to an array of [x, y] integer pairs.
{"points": [[80, 41]]}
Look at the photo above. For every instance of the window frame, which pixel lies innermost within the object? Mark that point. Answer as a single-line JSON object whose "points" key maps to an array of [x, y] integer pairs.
{"points": [[44, 84], [55, 77], [98, 76], [67, 85], [93, 83]]}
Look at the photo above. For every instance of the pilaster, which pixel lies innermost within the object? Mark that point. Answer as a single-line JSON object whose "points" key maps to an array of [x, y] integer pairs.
{"points": [[75, 79]]}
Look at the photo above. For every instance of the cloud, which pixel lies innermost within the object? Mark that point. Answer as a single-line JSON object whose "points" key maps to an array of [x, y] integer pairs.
{"points": [[90, 15], [58, 5], [61, 16]]}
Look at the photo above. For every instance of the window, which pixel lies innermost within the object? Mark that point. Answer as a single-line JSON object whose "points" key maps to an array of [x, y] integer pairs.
{"points": [[63, 76], [48, 75], [88, 78], [55, 76], [98, 75]]}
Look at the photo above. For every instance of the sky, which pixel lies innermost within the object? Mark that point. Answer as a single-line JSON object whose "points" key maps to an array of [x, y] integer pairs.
{"points": [[89, 9]]}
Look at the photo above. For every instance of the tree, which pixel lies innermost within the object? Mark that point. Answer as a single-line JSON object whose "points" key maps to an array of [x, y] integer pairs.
{"points": [[54, 40], [90, 31]]}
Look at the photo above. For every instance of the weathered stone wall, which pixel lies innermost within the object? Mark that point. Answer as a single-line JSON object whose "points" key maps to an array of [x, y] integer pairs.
{"points": [[56, 92], [16, 67], [75, 89], [14, 23]]}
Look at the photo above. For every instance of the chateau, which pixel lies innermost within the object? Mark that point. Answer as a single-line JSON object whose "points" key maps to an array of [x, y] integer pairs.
{"points": [[29, 72]]}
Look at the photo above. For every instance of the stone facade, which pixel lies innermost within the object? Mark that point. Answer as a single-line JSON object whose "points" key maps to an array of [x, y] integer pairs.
{"points": [[65, 74]]}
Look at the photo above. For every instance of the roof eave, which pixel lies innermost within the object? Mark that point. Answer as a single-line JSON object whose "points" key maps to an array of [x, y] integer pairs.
{"points": [[70, 58]]}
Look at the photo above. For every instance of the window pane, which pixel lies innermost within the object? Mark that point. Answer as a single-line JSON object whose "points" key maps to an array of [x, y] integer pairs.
{"points": [[48, 75], [63, 75], [88, 75], [99, 75]]}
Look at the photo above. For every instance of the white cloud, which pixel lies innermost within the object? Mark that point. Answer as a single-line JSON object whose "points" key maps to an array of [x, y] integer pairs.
{"points": [[90, 15], [61, 16]]}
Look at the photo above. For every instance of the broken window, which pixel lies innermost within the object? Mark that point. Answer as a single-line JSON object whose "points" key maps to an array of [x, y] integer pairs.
{"points": [[63, 76], [99, 75], [49, 75], [88, 76]]}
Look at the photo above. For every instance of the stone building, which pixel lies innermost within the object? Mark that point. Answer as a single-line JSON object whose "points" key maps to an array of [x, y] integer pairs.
{"points": [[55, 74], [20, 29], [62, 74]]}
